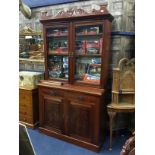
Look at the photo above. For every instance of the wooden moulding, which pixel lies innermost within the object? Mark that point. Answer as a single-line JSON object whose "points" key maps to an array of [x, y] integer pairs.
{"points": [[33, 126], [71, 13], [69, 139], [70, 87]]}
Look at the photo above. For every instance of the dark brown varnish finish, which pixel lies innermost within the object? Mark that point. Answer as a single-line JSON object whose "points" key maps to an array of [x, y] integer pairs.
{"points": [[74, 111]]}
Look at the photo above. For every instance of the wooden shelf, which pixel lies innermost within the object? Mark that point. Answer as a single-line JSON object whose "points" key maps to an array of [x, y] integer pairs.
{"points": [[30, 34], [58, 54], [99, 34], [76, 55], [34, 60], [122, 92], [95, 65], [87, 83], [121, 106], [89, 55], [74, 88], [58, 79], [51, 35]]}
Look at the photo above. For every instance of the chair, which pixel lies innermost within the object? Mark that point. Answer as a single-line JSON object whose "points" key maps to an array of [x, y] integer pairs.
{"points": [[129, 146], [123, 91]]}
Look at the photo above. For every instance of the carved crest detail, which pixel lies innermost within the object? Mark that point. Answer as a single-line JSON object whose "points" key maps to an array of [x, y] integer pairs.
{"points": [[73, 12]]}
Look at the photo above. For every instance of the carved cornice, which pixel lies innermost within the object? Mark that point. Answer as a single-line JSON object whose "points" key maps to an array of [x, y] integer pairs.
{"points": [[71, 12], [75, 12]]}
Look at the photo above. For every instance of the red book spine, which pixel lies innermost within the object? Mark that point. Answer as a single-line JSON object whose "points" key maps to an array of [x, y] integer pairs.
{"points": [[101, 45]]}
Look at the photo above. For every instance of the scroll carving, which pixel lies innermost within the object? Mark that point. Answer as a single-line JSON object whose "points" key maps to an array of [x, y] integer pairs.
{"points": [[73, 12]]}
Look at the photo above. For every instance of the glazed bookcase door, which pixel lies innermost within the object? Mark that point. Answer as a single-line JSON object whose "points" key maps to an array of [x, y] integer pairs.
{"points": [[57, 52], [87, 49]]}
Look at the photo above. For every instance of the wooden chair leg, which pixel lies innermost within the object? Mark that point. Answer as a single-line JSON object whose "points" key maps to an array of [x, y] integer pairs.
{"points": [[111, 117]]}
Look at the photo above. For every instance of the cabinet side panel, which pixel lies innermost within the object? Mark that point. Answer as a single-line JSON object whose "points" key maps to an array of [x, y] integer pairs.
{"points": [[106, 52]]}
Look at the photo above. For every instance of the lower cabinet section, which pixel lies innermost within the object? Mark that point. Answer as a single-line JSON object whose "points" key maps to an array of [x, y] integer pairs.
{"points": [[52, 115], [80, 121], [29, 107], [70, 115]]}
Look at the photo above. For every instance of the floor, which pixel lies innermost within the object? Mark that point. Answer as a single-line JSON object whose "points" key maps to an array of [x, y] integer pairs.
{"points": [[45, 145]]}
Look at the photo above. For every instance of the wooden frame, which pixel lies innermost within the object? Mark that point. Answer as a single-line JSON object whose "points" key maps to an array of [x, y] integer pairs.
{"points": [[82, 101]]}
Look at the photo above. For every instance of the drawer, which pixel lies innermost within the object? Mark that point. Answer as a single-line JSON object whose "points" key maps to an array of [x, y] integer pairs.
{"points": [[53, 92], [25, 104], [25, 118], [24, 97], [25, 111], [81, 97], [25, 92]]}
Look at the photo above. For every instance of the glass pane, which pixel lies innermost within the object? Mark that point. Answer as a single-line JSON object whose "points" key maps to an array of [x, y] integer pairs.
{"points": [[88, 50], [89, 40], [58, 67], [57, 39], [88, 69], [57, 46]]}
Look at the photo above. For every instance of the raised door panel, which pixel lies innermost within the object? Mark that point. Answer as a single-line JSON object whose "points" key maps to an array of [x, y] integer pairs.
{"points": [[52, 113], [80, 121]]}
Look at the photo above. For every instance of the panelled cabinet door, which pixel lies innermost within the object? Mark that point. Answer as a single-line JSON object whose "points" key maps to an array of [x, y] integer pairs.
{"points": [[80, 120], [52, 116]]}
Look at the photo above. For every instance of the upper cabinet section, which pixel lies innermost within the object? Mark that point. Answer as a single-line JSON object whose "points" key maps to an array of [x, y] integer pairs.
{"points": [[89, 39], [57, 47], [88, 52], [76, 45]]}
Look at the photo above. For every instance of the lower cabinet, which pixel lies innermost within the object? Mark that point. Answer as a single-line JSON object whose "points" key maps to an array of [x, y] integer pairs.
{"points": [[80, 121], [52, 113], [83, 115], [71, 116]]}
